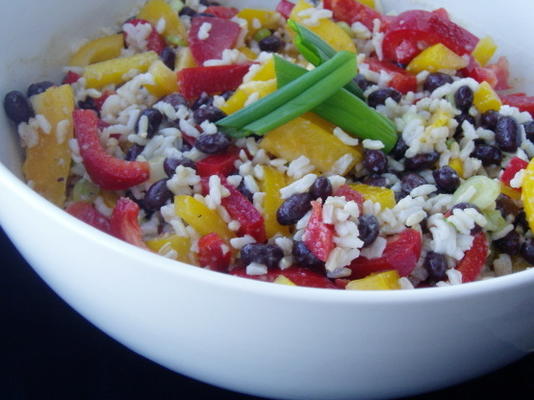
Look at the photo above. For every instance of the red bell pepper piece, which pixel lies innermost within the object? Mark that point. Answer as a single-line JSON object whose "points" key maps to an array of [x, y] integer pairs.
{"points": [[401, 80], [87, 213], [401, 253], [474, 259], [108, 172], [71, 77], [222, 12], [502, 71], [218, 164], [213, 252], [155, 41], [478, 73], [412, 31], [519, 100], [515, 165], [222, 35], [125, 223], [351, 11], [350, 194], [298, 275], [243, 211], [318, 236], [212, 80], [285, 7]]}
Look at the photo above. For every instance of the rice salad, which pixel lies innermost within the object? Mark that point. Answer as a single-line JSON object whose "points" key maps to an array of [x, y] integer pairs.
{"points": [[324, 144]]}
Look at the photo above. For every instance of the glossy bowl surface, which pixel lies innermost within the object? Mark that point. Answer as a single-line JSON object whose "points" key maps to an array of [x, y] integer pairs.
{"points": [[257, 338]]}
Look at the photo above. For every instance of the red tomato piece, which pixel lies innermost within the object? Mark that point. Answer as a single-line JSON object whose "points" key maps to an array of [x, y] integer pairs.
{"points": [[71, 77], [222, 12], [285, 7], [521, 101], [125, 223], [318, 236], [401, 253], [474, 259], [401, 80], [223, 35], [412, 31], [155, 41], [108, 172], [351, 11], [218, 164], [87, 213], [243, 211], [212, 80], [515, 165], [214, 253], [298, 275]]}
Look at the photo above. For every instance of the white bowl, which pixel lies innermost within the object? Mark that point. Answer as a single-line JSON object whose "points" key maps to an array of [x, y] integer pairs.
{"points": [[248, 336]]}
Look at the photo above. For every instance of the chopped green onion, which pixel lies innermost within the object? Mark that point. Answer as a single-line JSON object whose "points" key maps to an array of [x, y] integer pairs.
{"points": [[344, 109], [294, 99], [494, 221], [478, 190], [262, 34], [176, 5], [85, 190], [176, 40]]}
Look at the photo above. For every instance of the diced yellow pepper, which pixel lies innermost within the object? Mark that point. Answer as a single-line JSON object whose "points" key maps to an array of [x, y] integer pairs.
{"points": [[180, 244], [323, 123], [436, 58], [165, 80], [486, 99], [98, 50], [484, 50], [238, 100], [368, 3], [266, 18], [116, 71], [200, 217], [510, 192], [527, 194], [155, 10], [327, 29], [388, 280], [184, 59], [457, 165], [384, 196], [110, 198], [282, 280], [47, 164], [271, 184], [301, 137], [248, 53], [440, 119], [265, 72]]}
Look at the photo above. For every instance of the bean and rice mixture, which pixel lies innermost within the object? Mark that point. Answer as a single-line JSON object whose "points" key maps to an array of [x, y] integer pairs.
{"points": [[138, 141]]}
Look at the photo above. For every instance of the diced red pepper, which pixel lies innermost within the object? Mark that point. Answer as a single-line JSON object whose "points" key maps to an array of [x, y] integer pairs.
{"points": [[519, 100], [155, 41], [515, 165], [218, 164], [71, 77], [401, 253], [108, 172], [412, 31], [214, 253], [222, 35], [474, 259], [125, 223], [401, 80], [89, 214], [243, 211], [350, 194], [212, 80], [502, 72], [285, 7], [351, 11], [341, 283], [298, 275], [318, 236], [478, 73], [441, 12], [222, 12]]}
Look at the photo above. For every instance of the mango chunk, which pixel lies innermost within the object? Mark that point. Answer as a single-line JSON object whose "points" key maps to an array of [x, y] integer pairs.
{"points": [[436, 58], [98, 50], [258, 19], [388, 280], [165, 80], [273, 181], [181, 245], [384, 196], [484, 50], [485, 98], [200, 217], [155, 10], [47, 164]]}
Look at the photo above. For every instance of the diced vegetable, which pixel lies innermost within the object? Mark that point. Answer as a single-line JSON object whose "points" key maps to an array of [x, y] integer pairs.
{"points": [[200, 217], [351, 11], [222, 12], [521, 101], [318, 236], [480, 190], [155, 42], [384, 196], [125, 223], [502, 71], [486, 99], [222, 35], [165, 80], [436, 58], [184, 59], [217, 164], [214, 253], [457, 165], [266, 72], [474, 259], [298, 275], [515, 165], [85, 190], [87, 213], [282, 280], [387, 280], [98, 50], [154, 10], [484, 50], [285, 7], [180, 244], [47, 164], [271, 184], [400, 79], [243, 93], [510, 192], [494, 221], [528, 194], [267, 20], [350, 194]]}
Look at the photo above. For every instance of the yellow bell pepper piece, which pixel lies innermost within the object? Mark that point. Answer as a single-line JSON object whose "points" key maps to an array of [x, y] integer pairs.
{"points": [[47, 164], [155, 10], [98, 50], [486, 99], [248, 53], [457, 165], [273, 181], [384, 196], [184, 59], [323, 123], [368, 3], [266, 18], [327, 29], [527, 194], [484, 50], [238, 100], [110, 198], [388, 280], [301, 137], [165, 80], [510, 192], [265, 72], [200, 217], [115, 71], [180, 244], [282, 280], [436, 58]]}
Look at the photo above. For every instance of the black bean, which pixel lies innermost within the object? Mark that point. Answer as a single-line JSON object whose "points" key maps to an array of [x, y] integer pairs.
{"points": [[88, 104], [208, 3], [157, 195], [133, 152], [208, 113], [527, 251], [436, 80], [271, 44], [399, 150], [170, 165], [294, 208], [421, 161], [321, 188], [487, 153], [185, 147], [507, 206], [245, 192], [226, 95], [266, 254], [188, 11], [362, 83], [203, 100], [375, 180], [436, 266], [379, 97], [458, 134], [168, 56], [447, 179], [39, 87], [375, 161], [510, 244], [489, 119], [176, 100], [507, 134], [369, 228], [304, 257], [410, 181], [463, 98], [521, 221], [529, 130], [212, 144], [17, 107], [154, 118]]}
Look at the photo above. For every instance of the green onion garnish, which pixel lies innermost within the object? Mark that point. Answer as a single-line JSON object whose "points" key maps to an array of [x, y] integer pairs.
{"points": [[262, 34]]}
